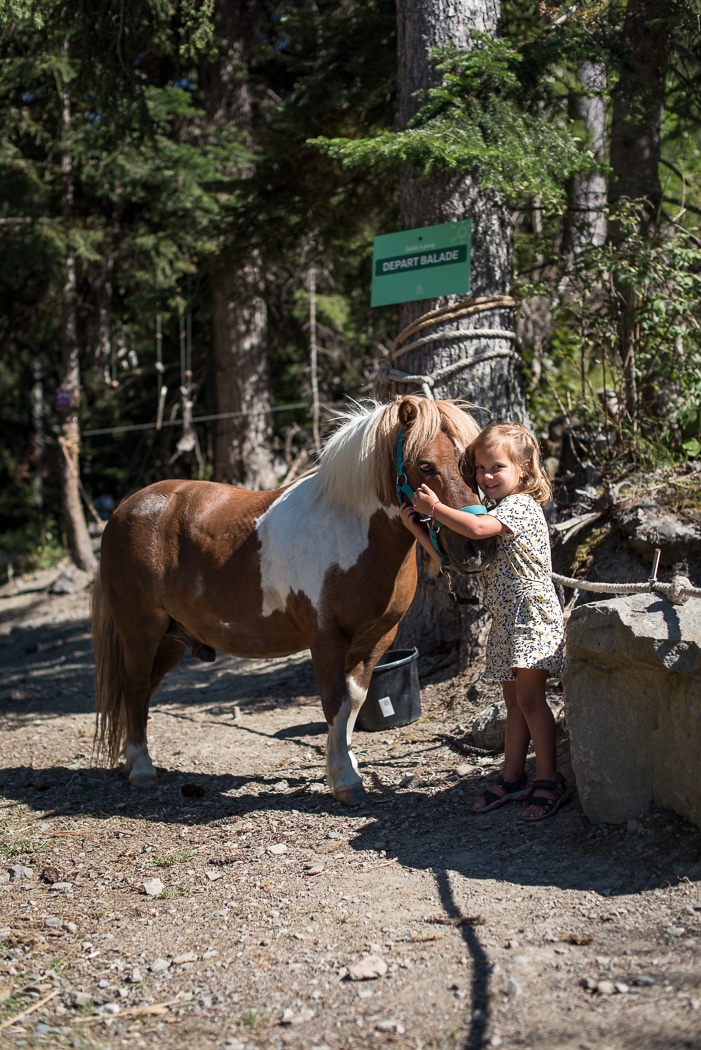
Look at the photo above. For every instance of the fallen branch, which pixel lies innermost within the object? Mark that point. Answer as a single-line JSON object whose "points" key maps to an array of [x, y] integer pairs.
{"points": [[30, 1010], [382, 864], [132, 1011]]}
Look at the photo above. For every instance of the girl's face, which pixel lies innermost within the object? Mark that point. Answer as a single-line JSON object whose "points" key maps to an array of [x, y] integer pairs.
{"points": [[496, 474]]}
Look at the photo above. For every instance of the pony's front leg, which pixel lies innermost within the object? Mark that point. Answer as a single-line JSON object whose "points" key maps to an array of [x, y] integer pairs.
{"points": [[341, 698]]}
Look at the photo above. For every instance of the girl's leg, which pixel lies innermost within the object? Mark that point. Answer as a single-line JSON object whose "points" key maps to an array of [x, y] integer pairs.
{"points": [[530, 692], [530, 689], [517, 739], [517, 735]]}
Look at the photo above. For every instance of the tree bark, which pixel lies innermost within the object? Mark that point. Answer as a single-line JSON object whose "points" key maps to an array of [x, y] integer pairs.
{"points": [[484, 369], [78, 538], [241, 388], [585, 220], [636, 118], [242, 382]]}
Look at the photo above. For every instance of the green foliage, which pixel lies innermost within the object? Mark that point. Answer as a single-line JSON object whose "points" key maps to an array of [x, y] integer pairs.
{"points": [[653, 286], [479, 120]]}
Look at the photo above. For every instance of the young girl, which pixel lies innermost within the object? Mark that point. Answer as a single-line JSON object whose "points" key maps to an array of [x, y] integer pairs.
{"points": [[526, 638]]}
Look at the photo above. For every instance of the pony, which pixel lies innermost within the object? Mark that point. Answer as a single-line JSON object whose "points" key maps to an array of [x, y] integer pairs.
{"points": [[324, 564]]}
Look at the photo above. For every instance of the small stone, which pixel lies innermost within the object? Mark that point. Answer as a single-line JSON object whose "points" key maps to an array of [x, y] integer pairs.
{"points": [[644, 981], [109, 1009], [70, 927], [316, 868], [53, 923], [135, 976], [18, 871], [212, 874], [62, 887], [488, 726], [79, 999], [464, 769], [153, 887], [5, 932], [410, 781], [159, 965], [605, 987], [368, 969], [282, 785], [291, 1016], [514, 988], [621, 987], [278, 848], [391, 1025], [186, 957], [676, 931]]}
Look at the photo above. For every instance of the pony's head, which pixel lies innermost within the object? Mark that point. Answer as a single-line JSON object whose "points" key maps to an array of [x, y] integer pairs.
{"points": [[358, 465]]}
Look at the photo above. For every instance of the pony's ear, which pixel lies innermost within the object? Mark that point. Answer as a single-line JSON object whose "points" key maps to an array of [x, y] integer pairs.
{"points": [[407, 410]]}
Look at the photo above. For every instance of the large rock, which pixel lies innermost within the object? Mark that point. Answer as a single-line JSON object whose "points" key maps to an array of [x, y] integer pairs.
{"points": [[632, 685], [649, 528]]}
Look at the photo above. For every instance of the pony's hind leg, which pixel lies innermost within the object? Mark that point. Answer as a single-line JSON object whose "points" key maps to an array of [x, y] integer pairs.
{"points": [[142, 676]]}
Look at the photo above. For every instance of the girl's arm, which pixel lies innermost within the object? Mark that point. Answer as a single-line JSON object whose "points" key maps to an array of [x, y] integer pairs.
{"points": [[475, 526], [413, 523]]}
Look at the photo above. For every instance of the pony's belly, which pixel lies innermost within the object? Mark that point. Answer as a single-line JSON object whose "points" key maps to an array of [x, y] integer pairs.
{"points": [[252, 637]]}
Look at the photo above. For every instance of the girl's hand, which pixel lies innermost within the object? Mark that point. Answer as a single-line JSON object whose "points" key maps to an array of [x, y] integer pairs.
{"points": [[411, 520], [425, 500]]}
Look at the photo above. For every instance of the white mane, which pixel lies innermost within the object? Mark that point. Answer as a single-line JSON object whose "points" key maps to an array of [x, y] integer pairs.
{"points": [[347, 473]]}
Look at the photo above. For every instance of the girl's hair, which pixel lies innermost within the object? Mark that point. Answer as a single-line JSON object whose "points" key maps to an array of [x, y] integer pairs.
{"points": [[523, 450]]}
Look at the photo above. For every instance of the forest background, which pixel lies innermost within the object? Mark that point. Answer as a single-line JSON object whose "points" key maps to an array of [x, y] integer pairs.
{"points": [[189, 193]]}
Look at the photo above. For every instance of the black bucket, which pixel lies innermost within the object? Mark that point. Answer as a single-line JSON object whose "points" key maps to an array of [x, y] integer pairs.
{"points": [[393, 697]]}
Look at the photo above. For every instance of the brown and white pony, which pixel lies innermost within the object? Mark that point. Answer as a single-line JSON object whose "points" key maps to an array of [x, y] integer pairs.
{"points": [[324, 564]]}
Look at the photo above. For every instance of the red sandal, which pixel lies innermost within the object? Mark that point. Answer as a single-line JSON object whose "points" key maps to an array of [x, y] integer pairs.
{"points": [[514, 791], [549, 806]]}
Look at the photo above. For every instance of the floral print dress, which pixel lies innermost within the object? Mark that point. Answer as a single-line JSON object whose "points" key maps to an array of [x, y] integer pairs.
{"points": [[527, 625]]}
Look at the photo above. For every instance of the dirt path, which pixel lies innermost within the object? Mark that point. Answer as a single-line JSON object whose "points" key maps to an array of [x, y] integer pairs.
{"points": [[480, 931]]}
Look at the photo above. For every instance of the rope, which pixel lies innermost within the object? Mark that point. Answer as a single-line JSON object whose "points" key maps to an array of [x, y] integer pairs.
{"points": [[70, 446], [427, 382], [456, 337], [460, 308], [678, 590]]}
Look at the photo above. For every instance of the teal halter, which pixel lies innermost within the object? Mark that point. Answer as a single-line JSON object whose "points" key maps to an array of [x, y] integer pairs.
{"points": [[405, 489]]}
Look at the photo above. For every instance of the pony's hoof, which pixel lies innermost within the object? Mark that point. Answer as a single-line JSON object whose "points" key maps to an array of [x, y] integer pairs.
{"points": [[351, 796], [142, 780]]}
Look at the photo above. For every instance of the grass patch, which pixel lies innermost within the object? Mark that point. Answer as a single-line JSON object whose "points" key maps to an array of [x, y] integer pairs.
{"points": [[174, 858]]}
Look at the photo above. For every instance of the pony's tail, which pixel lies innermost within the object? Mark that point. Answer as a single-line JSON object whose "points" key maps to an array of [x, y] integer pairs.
{"points": [[110, 723]]}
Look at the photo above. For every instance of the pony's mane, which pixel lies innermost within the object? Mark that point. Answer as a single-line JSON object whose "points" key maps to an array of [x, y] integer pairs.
{"points": [[358, 464]]}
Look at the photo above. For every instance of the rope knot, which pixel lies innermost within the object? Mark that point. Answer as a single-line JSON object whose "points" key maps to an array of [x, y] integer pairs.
{"points": [[678, 589]]}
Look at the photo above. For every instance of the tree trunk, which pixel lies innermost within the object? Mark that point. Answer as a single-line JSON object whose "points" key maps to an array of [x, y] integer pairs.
{"points": [[78, 538], [484, 369], [637, 108], [242, 394], [242, 383], [585, 220]]}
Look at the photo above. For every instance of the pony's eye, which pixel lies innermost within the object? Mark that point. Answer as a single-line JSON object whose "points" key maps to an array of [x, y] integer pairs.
{"points": [[427, 468]]}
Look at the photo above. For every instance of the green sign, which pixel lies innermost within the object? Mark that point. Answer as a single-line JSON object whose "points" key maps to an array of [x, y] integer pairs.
{"points": [[421, 264]]}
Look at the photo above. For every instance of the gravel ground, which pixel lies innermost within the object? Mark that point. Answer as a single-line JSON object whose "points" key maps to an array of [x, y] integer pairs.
{"points": [[237, 906]]}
